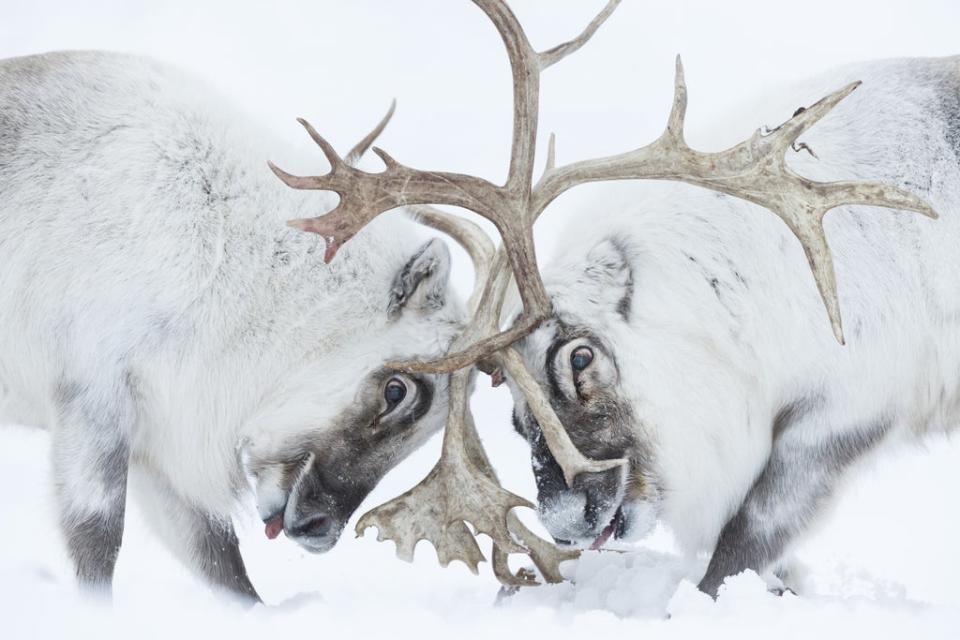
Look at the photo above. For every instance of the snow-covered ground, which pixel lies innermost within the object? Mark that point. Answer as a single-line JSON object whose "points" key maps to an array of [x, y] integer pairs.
{"points": [[882, 565]]}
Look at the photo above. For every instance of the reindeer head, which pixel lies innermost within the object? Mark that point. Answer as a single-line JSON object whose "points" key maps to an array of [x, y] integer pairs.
{"points": [[332, 429], [462, 487], [573, 356], [335, 427]]}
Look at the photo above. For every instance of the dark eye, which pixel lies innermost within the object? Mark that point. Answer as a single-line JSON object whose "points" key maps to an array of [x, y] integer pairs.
{"points": [[581, 358], [394, 392]]}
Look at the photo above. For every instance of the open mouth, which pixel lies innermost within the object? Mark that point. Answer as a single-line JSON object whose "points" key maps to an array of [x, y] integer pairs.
{"points": [[615, 529]]}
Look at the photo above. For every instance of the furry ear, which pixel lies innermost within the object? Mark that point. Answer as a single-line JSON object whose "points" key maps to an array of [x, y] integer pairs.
{"points": [[609, 270], [422, 282]]}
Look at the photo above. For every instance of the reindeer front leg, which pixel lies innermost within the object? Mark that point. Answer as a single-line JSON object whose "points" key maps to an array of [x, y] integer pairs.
{"points": [[205, 544], [806, 461], [90, 460]]}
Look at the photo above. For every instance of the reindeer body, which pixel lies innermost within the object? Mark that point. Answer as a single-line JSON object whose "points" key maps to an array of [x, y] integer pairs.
{"points": [[745, 412], [154, 307]]}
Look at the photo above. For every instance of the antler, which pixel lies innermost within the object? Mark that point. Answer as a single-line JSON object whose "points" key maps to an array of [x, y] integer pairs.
{"points": [[462, 487], [361, 147], [363, 195], [754, 170], [434, 509]]}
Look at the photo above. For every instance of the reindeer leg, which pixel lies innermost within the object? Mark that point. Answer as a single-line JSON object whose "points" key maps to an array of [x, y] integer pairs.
{"points": [[796, 483], [90, 458], [204, 543]]}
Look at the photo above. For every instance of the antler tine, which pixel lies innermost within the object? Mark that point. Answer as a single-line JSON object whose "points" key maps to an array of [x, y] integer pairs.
{"points": [[469, 236], [561, 51], [332, 156], [525, 67], [571, 461], [754, 170], [461, 487], [551, 153], [678, 112], [361, 147]]}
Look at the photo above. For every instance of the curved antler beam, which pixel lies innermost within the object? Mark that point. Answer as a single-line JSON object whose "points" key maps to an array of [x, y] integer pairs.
{"points": [[364, 196], [755, 170]]}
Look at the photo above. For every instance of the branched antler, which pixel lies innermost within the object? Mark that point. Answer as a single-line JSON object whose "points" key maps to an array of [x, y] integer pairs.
{"points": [[462, 487], [754, 170]]}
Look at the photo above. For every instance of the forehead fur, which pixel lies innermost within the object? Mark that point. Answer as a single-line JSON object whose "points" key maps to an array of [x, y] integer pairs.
{"points": [[329, 382]]}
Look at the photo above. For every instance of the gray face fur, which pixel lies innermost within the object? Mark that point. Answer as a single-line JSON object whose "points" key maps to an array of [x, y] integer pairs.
{"points": [[326, 475], [310, 481], [579, 370]]}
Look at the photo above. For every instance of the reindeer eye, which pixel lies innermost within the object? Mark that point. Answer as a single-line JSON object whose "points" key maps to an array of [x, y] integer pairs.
{"points": [[394, 392], [581, 358]]}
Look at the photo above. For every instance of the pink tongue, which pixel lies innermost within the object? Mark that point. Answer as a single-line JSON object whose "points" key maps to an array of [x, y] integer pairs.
{"points": [[274, 527], [604, 536]]}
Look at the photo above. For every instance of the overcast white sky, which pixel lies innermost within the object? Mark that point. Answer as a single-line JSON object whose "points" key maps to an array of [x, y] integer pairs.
{"points": [[339, 62]]}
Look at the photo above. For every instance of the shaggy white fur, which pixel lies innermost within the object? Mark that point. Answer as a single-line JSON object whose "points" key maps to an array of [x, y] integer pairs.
{"points": [[726, 329], [153, 303]]}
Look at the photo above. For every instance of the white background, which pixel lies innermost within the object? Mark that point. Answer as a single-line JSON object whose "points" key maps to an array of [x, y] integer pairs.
{"points": [[883, 564]]}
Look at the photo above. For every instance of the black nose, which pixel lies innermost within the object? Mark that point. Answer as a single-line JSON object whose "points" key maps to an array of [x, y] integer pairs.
{"points": [[312, 526]]}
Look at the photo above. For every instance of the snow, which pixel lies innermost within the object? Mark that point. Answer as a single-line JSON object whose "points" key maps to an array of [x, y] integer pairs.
{"points": [[882, 564]]}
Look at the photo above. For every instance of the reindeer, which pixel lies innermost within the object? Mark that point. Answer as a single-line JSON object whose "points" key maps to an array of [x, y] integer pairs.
{"points": [[157, 316], [685, 339], [677, 365]]}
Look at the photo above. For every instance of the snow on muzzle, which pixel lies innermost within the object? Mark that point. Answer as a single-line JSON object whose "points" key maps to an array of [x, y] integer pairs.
{"points": [[587, 514]]}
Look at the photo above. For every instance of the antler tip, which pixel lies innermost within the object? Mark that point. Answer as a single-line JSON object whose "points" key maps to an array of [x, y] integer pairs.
{"points": [[551, 153], [386, 157], [831, 100], [361, 147], [310, 225], [836, 324], [287, 178], [332, 156], [850, 88], [363, 524], [472, 566], [331, 252]]}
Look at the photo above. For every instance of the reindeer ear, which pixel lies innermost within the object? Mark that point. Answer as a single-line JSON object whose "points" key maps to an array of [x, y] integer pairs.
{"points": [[422, 282], [611, 276]]}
